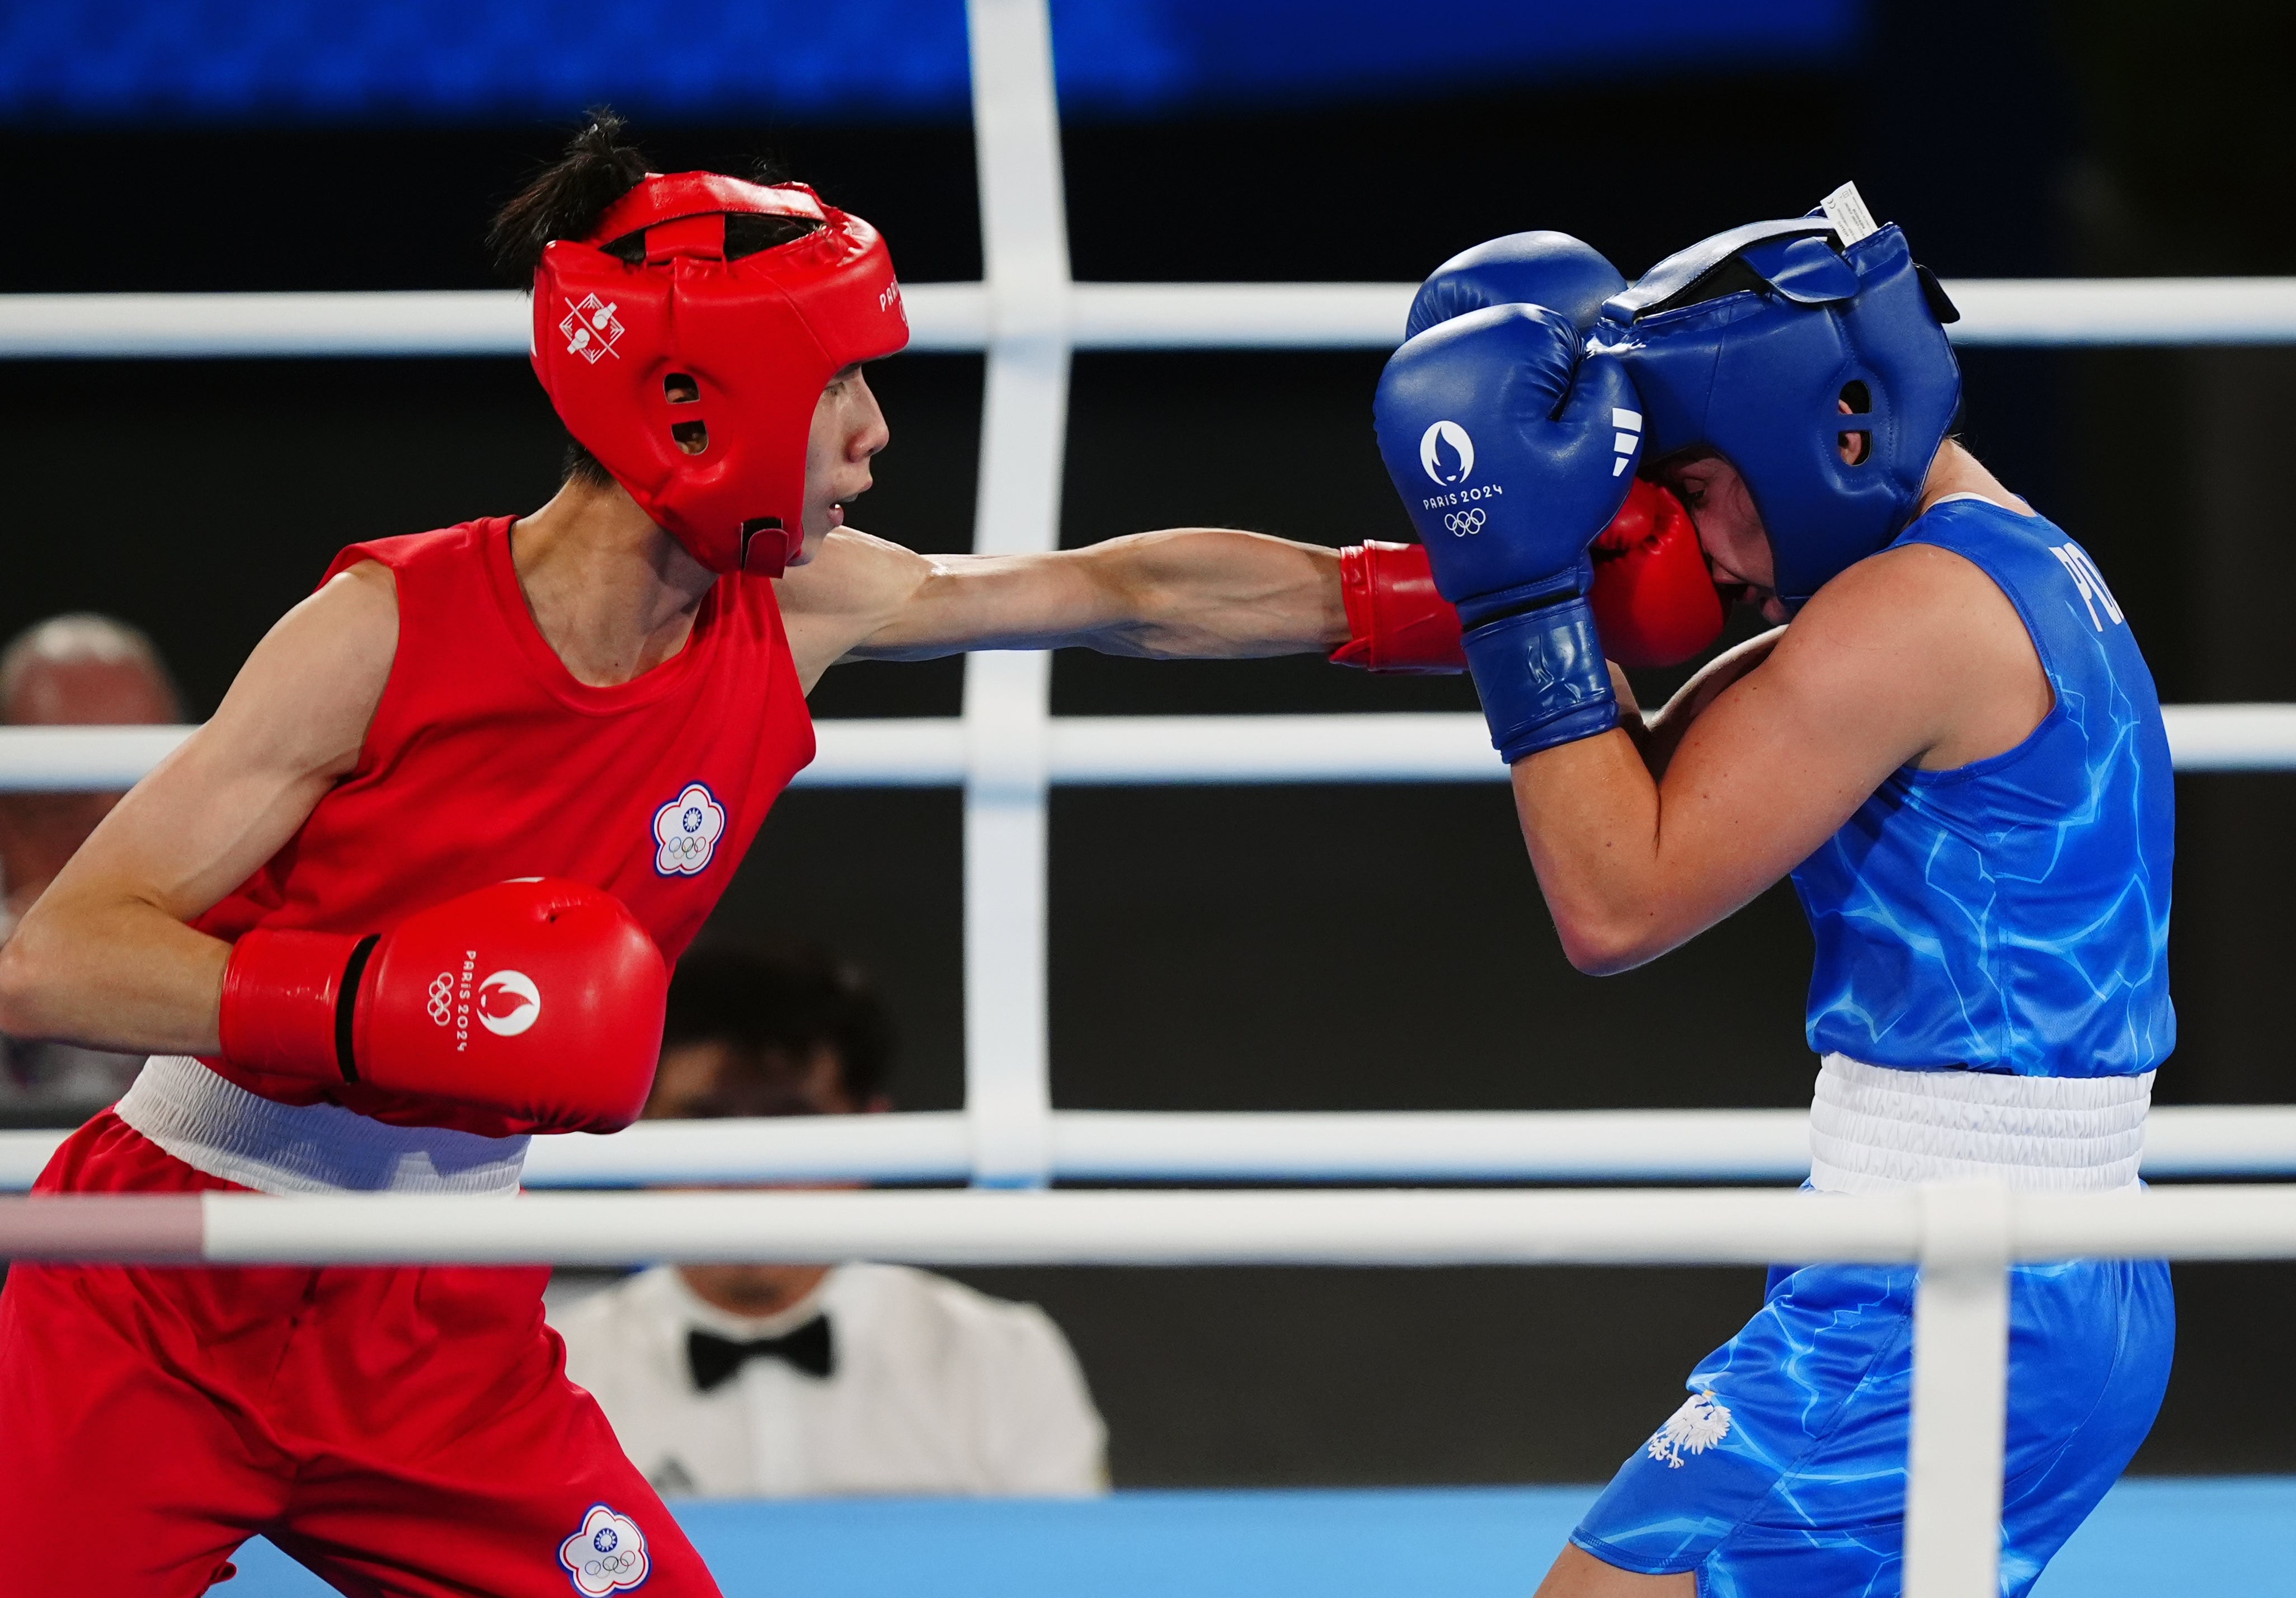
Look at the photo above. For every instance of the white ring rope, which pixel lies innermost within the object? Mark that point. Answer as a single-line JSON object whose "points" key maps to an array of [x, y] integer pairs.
{"points": [[955, 317], [1607, 1226], [933, 751], [1410, 1146]]}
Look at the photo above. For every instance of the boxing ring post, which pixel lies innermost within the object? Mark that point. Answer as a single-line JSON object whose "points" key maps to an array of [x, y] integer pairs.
{"points": [[1960, 1392], [1008, 694]]}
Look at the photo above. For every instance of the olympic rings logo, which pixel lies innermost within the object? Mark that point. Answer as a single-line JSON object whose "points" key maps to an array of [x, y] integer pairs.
{"points": [[606, 1555], [687, 831], [1464, 523], [442, 1000]]}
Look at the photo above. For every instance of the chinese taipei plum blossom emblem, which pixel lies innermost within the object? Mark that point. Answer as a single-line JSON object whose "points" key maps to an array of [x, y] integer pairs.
{"points": [[607, 1555], [685, 832], [1697, 1426]]}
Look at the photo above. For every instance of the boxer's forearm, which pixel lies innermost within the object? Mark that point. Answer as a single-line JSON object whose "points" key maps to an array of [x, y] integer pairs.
{"points": [[1199, 592], [1589, 812], [109, 970], [1209, 592]]}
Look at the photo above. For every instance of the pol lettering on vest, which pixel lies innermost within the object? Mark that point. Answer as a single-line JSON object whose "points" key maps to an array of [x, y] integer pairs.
{"points": [[2089, 582]]}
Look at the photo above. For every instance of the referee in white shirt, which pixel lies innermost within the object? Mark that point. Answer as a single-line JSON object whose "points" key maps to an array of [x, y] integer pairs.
{"points": [[792, 1381]]}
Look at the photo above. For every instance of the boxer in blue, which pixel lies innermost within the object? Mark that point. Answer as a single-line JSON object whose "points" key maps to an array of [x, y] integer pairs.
{"points": [[1953, 746]]}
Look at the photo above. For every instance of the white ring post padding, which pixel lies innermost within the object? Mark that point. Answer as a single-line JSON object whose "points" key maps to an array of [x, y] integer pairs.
{"points": [[956, 317], [1008, 694], [1960, 1392], [981, 1226]]}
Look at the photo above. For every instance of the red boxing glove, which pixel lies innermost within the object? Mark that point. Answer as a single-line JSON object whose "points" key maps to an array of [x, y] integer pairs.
{"points": [[1654, 600], [540, 998], [1397, 621]]}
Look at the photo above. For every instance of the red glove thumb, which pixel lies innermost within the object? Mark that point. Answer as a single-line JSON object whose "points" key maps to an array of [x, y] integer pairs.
{"points": [[1654, 600]]}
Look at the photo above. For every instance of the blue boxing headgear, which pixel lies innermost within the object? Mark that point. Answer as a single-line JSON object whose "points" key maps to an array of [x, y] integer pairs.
{"points": [[1748, 344]]}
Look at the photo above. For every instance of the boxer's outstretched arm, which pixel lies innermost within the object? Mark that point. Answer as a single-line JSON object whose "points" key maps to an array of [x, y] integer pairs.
{"points": [[103, 958], [1912, 656], [1192, 592]]}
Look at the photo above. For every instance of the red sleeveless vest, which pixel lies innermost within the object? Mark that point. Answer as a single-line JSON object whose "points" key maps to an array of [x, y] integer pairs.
{"points": [[487, 760]]}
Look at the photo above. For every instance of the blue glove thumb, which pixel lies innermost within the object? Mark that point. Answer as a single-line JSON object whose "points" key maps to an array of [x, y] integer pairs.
{"points": [[1552, 269]]}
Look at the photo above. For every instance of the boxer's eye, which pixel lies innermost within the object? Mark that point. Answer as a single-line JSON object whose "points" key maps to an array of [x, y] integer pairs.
{"points": [[693, 437], [679, 389]]}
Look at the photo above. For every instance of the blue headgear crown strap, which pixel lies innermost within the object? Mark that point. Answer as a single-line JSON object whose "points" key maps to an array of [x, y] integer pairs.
{"points": [[1748, 343]]}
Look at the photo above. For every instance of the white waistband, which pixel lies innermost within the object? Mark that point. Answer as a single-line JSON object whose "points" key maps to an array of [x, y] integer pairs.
{"points": [[1874, 1129], [217, 1127]]}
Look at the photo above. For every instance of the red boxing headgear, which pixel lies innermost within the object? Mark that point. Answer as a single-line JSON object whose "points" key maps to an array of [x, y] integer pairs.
{"points": [[758, 337]]}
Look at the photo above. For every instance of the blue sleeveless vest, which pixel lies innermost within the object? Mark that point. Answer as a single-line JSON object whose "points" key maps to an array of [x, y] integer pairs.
{"points": [[2012, 915]]}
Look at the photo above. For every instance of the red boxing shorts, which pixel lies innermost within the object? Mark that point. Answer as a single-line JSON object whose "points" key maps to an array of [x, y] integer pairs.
{"points": [[401, 1431]]}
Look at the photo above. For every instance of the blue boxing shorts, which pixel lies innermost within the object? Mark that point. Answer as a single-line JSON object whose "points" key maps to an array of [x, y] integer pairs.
{"points": [[1784, 1473]]}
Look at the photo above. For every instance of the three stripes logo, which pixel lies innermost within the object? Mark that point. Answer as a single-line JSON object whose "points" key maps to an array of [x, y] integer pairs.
{"points": [[1626, 439]]}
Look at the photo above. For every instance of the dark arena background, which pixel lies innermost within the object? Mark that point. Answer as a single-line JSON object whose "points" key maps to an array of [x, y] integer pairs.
{"points": [[1246, 948]]}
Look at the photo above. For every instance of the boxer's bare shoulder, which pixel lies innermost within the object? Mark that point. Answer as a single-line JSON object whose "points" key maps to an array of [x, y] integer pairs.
{"points": [[304, 698]]}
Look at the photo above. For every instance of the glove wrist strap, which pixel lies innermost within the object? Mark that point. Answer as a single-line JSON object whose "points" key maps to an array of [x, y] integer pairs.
{"points": [[1398, 622], [1484, 609], [285, 994], [1542, 678]]}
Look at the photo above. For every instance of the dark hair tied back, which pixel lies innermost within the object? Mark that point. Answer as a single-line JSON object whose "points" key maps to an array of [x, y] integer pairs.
{"points": [[569, 196]]}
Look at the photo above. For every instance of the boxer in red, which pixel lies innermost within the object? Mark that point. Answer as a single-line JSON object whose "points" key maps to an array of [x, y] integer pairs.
{"points": [[409, 898]]}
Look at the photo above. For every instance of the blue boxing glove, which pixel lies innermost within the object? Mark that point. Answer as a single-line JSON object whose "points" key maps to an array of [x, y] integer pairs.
{"points": [[1511, 452], [1552, 269]]}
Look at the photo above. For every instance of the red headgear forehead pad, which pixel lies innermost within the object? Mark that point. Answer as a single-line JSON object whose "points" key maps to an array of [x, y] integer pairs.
{"points": [[693, 379], [665, 196]]}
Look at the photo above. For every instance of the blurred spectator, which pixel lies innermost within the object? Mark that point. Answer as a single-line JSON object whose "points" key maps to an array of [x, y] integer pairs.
{"points": [[789, 1380], [67, 671]]}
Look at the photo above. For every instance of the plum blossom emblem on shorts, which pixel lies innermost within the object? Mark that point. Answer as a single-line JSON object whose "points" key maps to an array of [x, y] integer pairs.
{"points": [[1697, 1426], [685, 832], [607, 1555]]}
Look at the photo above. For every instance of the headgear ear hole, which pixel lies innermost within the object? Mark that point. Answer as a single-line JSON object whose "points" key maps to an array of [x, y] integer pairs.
{"points": [[1855, 399], [693, 437], [679, 387]]}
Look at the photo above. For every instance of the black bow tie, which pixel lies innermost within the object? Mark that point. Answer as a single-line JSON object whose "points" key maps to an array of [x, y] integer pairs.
{"points": [[715, 1359]]}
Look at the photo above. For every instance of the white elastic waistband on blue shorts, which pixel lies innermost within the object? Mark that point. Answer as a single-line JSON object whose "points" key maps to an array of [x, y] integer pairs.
{"points": [[1876, 1129]]}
